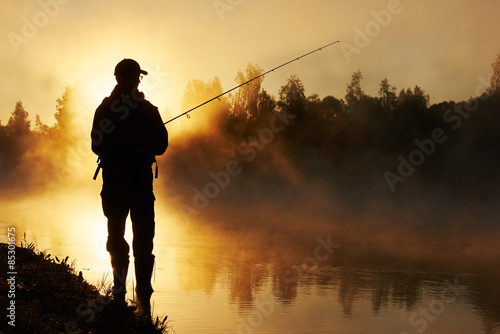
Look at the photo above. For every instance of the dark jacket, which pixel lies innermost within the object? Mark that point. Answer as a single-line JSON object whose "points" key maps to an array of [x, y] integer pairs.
{"points": [[127, 130]]}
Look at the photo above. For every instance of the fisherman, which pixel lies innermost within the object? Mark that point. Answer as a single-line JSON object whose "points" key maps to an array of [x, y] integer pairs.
{"points": [[127, 134]]}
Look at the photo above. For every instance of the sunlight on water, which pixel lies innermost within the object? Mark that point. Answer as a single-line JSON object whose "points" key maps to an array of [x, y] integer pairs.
{"points": [[246, 281]]}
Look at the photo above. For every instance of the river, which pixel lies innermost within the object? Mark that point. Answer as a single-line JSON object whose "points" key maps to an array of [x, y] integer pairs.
{"points": [[242, 276]]}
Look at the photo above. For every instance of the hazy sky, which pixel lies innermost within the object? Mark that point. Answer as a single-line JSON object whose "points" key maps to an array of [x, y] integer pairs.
{"points": [[49, 44]]}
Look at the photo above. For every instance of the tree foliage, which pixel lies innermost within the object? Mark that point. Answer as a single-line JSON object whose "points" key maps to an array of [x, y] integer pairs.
{"points": [[292, 97], [354, 93], [495, 78], [19, 123], [40, 154], [352, 136], [387, 96], [244, 102]]}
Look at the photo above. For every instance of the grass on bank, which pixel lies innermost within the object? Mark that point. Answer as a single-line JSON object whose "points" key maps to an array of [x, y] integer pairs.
{"points": [[50, 297]]}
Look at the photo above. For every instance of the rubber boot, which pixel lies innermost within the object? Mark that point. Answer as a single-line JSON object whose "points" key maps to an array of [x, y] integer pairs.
{"points": [[120, 270], [144, 290]]}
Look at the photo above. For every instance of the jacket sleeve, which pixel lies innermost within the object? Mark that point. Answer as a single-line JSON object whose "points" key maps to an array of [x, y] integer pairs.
{"points": [[157, 141]]}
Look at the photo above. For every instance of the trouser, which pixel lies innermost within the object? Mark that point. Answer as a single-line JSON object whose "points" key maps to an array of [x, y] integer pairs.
{"points": [[123, 194]]}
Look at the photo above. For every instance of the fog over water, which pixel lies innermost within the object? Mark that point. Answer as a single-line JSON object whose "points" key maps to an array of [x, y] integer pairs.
{"points": [[301, 202], [356, 175]]}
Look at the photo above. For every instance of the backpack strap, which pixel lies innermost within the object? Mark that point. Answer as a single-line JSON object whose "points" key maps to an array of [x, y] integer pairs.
{"points": [[156, 165]]}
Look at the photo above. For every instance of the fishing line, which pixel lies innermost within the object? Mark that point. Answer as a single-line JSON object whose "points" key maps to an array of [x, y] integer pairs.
{"points": [[248, 81], [423, 61]]}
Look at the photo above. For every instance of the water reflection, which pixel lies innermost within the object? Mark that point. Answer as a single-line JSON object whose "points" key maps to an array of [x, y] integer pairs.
{"points": [[283, 270], [215, 277]]}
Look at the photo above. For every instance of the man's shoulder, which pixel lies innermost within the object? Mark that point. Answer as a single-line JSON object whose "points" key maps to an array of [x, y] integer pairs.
{"points": [[151, 112], [148, 105], [105, 103], [148, 108]]}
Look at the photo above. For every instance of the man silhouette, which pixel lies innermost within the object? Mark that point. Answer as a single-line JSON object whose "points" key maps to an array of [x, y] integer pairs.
{"points": [[127, 134]]}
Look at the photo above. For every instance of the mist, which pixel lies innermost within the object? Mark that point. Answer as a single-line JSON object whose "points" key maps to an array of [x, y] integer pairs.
{"points": [[400, 177], [388, 175]]}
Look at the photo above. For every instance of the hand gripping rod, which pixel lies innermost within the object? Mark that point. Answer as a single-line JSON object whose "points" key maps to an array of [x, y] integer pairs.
{"points": [[271, 70]]}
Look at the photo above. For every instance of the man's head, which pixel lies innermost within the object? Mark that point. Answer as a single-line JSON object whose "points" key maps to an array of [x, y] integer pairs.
{"points": [[128, 73]]}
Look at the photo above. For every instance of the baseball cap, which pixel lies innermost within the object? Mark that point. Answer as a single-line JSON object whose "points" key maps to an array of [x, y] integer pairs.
{"points": [[129, 67]]}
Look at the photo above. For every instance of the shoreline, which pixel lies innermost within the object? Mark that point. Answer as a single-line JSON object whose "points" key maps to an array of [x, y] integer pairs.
{"points": [[45, 294]]}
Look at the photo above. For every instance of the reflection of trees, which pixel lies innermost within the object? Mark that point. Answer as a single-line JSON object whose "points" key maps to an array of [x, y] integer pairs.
{"points": [[349, 288], [245, 281], [198, 271], [201, 268], [487, 299], [285, 283], [406, 289], [381, 287], [380, 292], [248, 269]]}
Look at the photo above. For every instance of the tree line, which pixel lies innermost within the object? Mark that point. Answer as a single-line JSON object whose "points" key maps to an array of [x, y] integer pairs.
{"points": [[347, 142], [34, 155], [354, 147]]}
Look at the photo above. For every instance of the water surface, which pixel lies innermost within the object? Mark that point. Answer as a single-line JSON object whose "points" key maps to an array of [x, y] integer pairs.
{"points": [[252, 275]]}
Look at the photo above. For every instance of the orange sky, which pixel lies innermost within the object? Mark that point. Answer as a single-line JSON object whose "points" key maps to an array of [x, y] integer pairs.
{"points": [[49, 44]]}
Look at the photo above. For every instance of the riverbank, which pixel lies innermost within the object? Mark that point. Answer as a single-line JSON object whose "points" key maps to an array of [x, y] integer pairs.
{"points": [[45, 294]]}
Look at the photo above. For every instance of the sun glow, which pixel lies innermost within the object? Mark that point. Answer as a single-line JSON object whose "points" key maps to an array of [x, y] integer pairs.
{"points": [[156, 86], [98, 88]]}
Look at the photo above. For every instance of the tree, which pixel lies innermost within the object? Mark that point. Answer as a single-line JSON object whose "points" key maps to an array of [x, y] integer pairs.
{"points": [[245, 100], [314, 108], [354, 93], [292, 97], [40, 127], [64, 113], [387, 96], [421, 98], [5, 147], [331, 106], [416, 100], [198, 91], [15, 139], [266, 105], [495, 78], [19, 124]]}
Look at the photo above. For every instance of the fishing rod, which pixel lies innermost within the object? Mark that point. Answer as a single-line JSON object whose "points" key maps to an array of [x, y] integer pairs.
{"points": [[248, 81]]}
